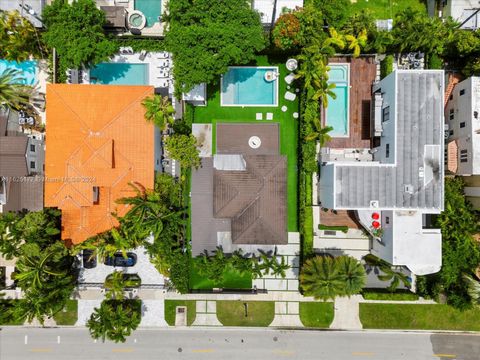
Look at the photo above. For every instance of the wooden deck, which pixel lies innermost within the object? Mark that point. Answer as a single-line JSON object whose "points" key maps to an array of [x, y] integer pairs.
{"points": [[362, 75], [341, 218]]}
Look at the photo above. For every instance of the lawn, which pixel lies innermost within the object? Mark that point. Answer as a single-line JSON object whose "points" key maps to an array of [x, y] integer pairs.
{"points": [[232, 313], [170, 308], [424, 317], [232, 279], [214, 113], [316, 314], [69, 316], [386, 9]]}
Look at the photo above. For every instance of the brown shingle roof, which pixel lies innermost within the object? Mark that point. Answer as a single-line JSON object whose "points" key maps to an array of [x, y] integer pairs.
{"points": [[254, 199], [12, 155]]}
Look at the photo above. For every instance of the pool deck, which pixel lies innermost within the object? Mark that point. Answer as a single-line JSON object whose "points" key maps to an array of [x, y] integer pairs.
{"points": [[363, 71]]}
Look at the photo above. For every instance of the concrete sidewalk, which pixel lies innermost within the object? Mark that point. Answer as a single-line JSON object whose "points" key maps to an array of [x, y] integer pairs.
{"points": [[347, 311]]}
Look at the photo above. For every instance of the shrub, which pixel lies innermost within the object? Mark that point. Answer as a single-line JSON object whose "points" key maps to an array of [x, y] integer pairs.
{"points": [[386, 66], [434, 62], [286, 32]]}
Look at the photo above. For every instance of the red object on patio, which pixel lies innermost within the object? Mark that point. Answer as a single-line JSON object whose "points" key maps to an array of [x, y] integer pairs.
{"points": [[375, 216], [375, 224]]}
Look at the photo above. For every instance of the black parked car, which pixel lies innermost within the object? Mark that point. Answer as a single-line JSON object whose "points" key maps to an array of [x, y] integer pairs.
{"points": [[120, 261], [89, 259]]}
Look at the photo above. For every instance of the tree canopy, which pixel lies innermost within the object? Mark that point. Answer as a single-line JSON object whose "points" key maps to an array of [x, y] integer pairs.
{"points": [[184, 149], [207, 36], [76, 32]]}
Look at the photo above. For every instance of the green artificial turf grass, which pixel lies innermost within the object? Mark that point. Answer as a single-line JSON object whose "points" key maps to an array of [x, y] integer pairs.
{"points": [[232, 313], [231, 279], [214, 113], [316, 314]]}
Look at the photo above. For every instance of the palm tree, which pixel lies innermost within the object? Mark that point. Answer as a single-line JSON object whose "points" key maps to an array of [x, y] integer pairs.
{"points": [[353, 274], [473, 288], [115, 285], [114, 320], [279, 268], [13, 95], [356, 43], [159, 111], [389, 274], [321, 279], [320, 134]]}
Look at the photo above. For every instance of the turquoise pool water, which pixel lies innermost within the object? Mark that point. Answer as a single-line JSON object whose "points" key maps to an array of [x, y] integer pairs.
{"points": [[28, 70], [152, 9], [119, 74], [337, 111], [246, 86]]}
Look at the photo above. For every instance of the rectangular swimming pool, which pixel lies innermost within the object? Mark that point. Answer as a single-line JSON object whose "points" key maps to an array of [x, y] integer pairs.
{"points": [[119, 74], [27, 69], [152, 9], [337, 112], [246, 86]]}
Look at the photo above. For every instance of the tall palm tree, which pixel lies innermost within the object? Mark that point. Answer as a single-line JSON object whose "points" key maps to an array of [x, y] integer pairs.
{"points": [[114, 320], [115, 285], [321, 279], [159, 111], [320, 134], [13, 94], [473, 288], [389, 273], [353, 274], [279, 268]]}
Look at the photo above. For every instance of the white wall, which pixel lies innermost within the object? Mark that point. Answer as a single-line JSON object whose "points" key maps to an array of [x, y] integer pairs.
{"points": [[37, 156], [460, 10]]}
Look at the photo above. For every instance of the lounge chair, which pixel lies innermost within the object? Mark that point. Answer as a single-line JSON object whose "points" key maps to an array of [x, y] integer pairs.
{"points": [[289, 78], [258, 116], [269, 116], [290, 96], [143, 55]]}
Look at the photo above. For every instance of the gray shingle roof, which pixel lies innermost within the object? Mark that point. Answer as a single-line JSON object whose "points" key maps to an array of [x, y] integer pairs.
{"points": [[419, 123]]}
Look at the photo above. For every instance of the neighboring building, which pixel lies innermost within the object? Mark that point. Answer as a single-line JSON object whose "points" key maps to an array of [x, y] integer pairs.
{"points": [[98, 142], [462, 11], [239, 195], [463, 135], [29, 9], [402, 182], [22, 158], [270, 10]]}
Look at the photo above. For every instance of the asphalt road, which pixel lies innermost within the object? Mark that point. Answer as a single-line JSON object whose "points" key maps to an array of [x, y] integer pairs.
{"points": [[232, 344]]}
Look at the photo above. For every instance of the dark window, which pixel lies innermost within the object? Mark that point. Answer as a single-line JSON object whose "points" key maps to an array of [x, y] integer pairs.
{"points": [[451, 96], [462, 92], [452, 114], [386, 113], [462, 124], [387, 220], [387, 150], [463, 156], [451, 132], [32, 148], [32, 164]]}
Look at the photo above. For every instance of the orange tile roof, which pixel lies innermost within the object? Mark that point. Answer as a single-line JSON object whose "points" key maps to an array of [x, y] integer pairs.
{"points": [[98, 133]]}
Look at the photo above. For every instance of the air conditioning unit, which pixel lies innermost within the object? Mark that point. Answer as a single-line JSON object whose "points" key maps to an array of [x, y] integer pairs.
{"points": [[374, 204]]}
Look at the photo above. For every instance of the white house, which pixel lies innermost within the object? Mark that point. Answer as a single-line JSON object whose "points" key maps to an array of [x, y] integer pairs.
{"points": [[461, 10], [394, 193], [272, 9]]}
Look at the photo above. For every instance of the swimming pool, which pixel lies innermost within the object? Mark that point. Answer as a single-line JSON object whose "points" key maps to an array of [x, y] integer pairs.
{"points": [[337, 112], [28, 70], [152, 9], [119, 74], [246, 86]]}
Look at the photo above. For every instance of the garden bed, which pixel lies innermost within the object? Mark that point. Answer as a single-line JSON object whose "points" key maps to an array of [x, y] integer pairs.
{"points": [[380, 294], [231, 279]]}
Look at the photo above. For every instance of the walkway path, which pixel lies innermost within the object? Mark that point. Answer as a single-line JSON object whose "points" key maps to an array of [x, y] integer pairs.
{"points": [[286, 314], [347, 313], [206, 314]]}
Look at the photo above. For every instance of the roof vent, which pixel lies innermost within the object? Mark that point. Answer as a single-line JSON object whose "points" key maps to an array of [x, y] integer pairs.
{"points": [[408, 188], [374, 204]]}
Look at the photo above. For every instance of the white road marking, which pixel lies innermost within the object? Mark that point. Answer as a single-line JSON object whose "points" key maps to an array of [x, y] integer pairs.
{"points": [[26, 339], [58, 339], [135, 341]]}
